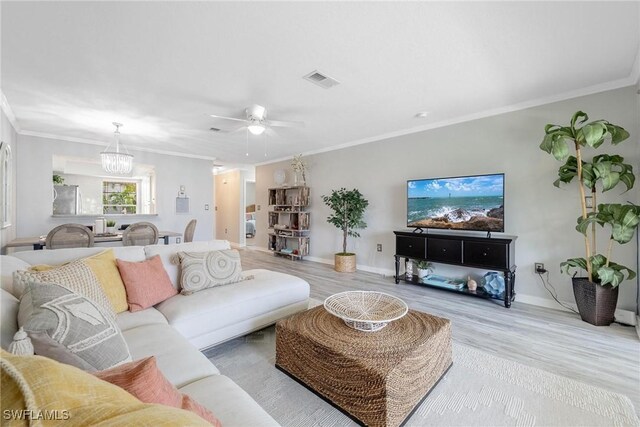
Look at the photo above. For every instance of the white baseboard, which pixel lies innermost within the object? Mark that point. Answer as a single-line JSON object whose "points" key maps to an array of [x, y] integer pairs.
{"points": [[377, 270], [623, 316], [638, 325]]}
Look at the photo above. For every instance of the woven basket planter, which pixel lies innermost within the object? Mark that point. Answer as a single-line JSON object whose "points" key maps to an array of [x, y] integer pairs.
{"points": [[596, 304], [345, 263]]}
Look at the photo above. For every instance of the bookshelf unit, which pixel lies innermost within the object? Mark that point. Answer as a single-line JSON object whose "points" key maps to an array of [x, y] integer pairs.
{"points": [[289, 221]]}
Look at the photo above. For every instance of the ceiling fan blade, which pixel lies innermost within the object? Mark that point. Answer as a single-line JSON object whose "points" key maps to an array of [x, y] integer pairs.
{"points": [[228, 118], [280, 123]]}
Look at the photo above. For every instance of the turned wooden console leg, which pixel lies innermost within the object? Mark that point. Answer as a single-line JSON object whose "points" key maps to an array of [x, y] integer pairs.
{"points": [[397, 269]]}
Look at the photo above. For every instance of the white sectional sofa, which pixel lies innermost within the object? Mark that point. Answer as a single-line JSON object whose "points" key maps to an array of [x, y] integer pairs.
{"points": [[175, 330]]}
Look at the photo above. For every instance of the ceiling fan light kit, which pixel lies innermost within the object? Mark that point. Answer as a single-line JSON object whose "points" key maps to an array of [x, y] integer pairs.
{"points": [[255, 120], [256, 128], [117, 161]]}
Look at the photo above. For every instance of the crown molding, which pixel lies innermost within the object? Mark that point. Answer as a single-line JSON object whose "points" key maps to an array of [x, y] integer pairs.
{"points": [[9, 112], [630, 80], [104, 144]]}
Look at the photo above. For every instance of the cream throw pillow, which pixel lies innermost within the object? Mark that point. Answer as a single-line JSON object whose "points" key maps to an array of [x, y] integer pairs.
{"points": [[77, 276], [202, 270]]}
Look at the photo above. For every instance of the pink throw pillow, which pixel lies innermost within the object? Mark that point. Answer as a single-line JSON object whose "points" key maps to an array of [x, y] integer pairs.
{"points": [[147, 283], [144, 381]]}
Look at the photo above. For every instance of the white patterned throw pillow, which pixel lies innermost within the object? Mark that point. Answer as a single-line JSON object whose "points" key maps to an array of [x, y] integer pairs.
{"points": [[202, 270], [76, 276], [72, 329]]}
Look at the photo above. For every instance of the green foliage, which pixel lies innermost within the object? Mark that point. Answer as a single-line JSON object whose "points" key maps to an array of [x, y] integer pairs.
{"points": [[111, 223], [592, 134], [610, 170], [348, 208], [623, 220], [602, 273], [425, 265], [58, 180], [605, 171]]}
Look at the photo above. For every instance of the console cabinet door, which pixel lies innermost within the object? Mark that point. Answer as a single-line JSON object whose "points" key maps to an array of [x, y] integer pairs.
{"points": [[410, 247], [444, 250], [490, 255]]}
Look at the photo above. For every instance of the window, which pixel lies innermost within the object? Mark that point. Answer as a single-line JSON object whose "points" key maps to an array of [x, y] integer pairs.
{"points": [[119, 197], [5, 184]]}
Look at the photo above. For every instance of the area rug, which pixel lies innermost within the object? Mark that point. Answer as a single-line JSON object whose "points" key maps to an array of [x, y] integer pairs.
{"points": [[479, 390]]}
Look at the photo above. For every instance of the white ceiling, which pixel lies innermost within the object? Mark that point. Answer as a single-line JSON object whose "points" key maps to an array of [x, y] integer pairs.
{"points": [[71, 68]]}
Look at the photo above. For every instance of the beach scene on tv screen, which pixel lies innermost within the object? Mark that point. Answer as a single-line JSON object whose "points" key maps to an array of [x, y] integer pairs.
{"points": [[464, 203]]}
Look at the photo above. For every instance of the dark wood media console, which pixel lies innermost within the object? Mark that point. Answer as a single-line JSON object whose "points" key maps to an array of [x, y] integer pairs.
{"points": [[463, 249]]}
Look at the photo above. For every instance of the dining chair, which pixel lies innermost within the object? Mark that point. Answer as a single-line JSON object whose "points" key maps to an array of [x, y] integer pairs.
{"points": [[69, 236], [189, 230], [140, 234]]}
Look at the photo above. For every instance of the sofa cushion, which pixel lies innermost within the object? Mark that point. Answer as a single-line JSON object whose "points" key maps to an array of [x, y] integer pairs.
{"points": [[215, 308], [231, 404], [202, 270], [169, 255], [178, 360], [72, 329], [77, 276], [146, 281], [33, 384], [8, 266], [103, 265], [144, 381], [8, 318], [60, 256], [128, 320]]}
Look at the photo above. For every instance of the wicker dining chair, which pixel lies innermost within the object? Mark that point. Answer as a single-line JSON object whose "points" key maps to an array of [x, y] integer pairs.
{"points": [[69, 236], [140, 234], [189, 230]]}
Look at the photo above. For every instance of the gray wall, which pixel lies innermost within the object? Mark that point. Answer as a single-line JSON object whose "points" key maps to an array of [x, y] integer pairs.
{"points": [[541, 215], [35, 196], [10, 136]]}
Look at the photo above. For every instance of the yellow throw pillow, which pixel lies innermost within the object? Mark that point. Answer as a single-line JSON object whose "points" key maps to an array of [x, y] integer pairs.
{"points": [[104, 266], [44, 390]]}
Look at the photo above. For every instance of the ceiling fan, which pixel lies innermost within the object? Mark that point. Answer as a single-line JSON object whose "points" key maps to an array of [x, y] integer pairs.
{"points": [[256, 120]]}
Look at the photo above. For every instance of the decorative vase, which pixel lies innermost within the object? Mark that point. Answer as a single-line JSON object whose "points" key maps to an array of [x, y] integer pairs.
{"points": [[423, 272], [596, 303], [472, 285], [345, 263], [111, 230]]}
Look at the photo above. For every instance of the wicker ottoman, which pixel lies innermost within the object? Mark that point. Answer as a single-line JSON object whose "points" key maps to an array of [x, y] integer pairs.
{"points": [[377, 378]]}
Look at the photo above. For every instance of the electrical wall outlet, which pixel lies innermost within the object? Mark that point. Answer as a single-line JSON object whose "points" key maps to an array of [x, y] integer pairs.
{"points": [[178, 240], [206, 207], [538, 268], [379, 247]]}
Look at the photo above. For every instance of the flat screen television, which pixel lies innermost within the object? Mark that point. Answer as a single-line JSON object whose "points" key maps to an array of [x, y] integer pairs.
{"points": [[458, 203]]}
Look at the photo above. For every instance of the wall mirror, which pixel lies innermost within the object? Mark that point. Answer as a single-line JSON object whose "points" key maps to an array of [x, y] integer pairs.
{"points": [[81, 187], [6, 176]]}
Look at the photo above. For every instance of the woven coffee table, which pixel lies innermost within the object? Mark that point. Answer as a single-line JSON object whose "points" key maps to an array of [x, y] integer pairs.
{"points": [[377, 378]]}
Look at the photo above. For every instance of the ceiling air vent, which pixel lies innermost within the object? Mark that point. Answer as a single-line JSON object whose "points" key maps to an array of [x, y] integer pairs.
{"points": [[321, 80]]}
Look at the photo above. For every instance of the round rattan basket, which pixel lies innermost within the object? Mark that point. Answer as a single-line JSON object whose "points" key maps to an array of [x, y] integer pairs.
{"points": [[366, 311]]}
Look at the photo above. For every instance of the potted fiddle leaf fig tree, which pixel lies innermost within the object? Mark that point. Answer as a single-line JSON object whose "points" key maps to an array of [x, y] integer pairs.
{"points": [[348, 208], [596, 294]]}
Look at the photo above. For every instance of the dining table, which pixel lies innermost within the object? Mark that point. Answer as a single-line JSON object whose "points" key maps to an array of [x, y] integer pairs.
{"points": [[39, 242]]}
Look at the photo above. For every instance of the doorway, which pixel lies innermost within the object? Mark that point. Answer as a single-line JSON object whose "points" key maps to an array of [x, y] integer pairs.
{"points": [[250, 212]]}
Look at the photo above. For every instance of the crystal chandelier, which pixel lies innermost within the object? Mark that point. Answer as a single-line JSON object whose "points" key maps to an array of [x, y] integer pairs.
{"points": [[118, 162]]}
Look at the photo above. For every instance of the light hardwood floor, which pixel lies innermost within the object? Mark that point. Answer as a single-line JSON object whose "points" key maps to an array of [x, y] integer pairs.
{"points": [[552, 340]]}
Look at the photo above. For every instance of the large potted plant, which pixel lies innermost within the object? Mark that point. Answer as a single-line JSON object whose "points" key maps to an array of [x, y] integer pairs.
{"points": [[348, 208], [596, 294]]}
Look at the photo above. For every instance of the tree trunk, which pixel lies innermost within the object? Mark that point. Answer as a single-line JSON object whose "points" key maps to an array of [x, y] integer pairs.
{"points": [[345, 230], [583, 205]]}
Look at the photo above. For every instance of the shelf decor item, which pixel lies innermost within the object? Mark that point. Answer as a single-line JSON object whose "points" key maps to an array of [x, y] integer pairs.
{"points": [[493, 283], [299, 168], [596, 294], [289, 220], [348, 208], [424, 268], [366, 311]]}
